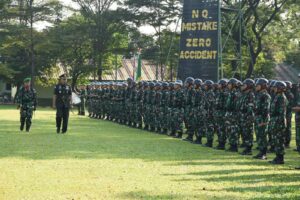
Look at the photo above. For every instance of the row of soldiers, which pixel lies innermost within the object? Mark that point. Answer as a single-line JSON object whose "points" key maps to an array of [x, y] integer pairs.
{"points": [[231, 110]]}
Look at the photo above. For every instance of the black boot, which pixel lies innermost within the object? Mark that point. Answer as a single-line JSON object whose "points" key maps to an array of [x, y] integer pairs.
{"points": [[172, 134], [179, 136], [262, 155], [165, 131], [247, 151], [140, 126], [221, 146], [279, 160], [189, 138], [233, 148], [297, 149], [146, 128], [209, 144], [198, 140]]}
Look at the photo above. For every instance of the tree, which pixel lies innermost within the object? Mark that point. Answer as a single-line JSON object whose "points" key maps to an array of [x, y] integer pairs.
{"points": [[159, 14], [104, 23]]}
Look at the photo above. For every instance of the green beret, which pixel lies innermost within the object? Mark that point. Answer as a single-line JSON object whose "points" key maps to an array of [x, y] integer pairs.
{"points": [[26, 80]]}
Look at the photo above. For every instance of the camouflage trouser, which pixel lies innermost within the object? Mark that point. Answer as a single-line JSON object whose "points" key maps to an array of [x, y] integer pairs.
{"points": [[271, 132], [152, 116], [297, 119], [188, 119], [232, 130], [147, 114], [199, 123], [177, 119], [164, 118], [26, 115], [279, 137], [210, 128], [220, 118], [261, 134], [288, 131], [247, 130]]}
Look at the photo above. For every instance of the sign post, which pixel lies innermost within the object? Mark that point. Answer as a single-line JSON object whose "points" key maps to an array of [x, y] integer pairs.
{"points": [[199, 43]]}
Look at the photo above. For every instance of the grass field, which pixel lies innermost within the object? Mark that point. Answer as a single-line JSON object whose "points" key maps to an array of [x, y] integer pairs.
{"points": [[103, 160]]}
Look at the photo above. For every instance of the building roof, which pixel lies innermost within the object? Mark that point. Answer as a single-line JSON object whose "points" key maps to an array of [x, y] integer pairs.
{"points": [[128, 70], [286, 73]]}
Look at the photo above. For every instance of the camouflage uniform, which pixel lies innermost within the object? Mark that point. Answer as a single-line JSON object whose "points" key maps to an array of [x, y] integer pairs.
{"points": [[27, 99], [262, 118], [220, 117], [247, 118], [278, 113], [288, 134], [209, 101]]}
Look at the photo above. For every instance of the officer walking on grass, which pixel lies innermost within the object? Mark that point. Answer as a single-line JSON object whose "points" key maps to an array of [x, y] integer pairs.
{"points": [[62, 102], [27, 100]]}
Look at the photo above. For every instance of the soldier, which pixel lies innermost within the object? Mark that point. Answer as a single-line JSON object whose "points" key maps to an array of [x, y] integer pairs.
{"points": [[82, 94], [164, 108], [198, 111], [271, 127], [297, 117], [171, 107], [247, 115], [231, 115], [220, 114], [188, 112], [178, 111], [27, 100], [278, 113], [290, 97], [262, 117], [62, 102], [209, 101]]}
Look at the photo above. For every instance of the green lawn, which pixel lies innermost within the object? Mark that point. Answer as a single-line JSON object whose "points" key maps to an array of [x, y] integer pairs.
{"points": [[103, 160]]}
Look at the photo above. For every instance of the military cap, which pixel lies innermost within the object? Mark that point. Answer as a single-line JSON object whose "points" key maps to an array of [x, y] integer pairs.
{"points": [[26, 80], [280, 85], [189, 80], [198, 81], [289, 84], [208, 82], [262, 81], [249, 82], [223, 82]]}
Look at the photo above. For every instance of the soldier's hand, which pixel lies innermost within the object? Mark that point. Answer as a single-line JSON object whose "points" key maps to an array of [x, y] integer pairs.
{"points": [[18, 107]]}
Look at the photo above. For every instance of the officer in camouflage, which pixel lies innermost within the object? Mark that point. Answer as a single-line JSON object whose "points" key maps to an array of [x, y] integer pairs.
{"points": [[27, 100]]}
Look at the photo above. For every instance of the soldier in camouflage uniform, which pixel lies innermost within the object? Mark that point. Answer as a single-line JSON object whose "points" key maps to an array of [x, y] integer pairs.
{"points": [[271, 127], [171, 107], [220, 113], [231, 115], [164, 108], [139, 103], [27, 100], [297, 116], [247, 114], [291, 101], [209, 101], [198, 114], [188, 108], [278, 113], [262, 117], [178, 111]]}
